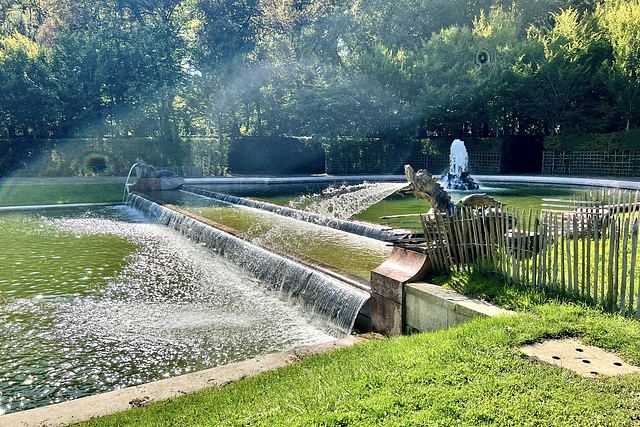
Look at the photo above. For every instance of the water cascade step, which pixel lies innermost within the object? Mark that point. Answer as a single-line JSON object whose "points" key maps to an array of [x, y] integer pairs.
{"points": [[370, 230], [327, 299]]}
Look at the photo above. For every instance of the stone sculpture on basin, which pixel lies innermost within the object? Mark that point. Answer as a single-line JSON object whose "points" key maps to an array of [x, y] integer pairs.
{"points": [[424, 185]]}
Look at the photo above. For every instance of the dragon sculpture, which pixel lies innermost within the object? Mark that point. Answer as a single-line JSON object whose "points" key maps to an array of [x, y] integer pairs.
{"points": [[423, 185]]}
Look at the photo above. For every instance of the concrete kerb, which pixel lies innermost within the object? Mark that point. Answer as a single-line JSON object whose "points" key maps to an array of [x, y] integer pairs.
{"points": [[431, 307], [87, 408]]}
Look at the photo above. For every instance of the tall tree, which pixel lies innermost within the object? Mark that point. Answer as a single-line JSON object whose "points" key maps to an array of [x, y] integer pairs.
{"points": [[620, 20]]}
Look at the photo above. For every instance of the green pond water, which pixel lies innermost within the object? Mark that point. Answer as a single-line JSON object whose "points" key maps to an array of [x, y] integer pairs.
{"points": [[92, 301]]}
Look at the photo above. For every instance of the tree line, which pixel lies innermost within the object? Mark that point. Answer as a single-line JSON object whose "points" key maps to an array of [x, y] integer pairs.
{"points": [[329, 69]]}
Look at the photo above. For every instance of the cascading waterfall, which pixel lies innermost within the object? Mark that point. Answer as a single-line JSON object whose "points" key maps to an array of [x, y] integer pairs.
{"points": [[326, 298], [373, 231], [347, 200]]}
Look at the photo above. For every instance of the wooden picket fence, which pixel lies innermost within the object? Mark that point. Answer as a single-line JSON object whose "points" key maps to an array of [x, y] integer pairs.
{"points": [[586, 246]]}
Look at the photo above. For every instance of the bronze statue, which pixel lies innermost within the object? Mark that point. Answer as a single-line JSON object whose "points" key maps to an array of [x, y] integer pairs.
{"points": [[423, 185]]}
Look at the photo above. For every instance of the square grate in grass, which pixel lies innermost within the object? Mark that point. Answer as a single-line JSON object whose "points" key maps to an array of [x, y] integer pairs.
{"points": [[586, 360]]}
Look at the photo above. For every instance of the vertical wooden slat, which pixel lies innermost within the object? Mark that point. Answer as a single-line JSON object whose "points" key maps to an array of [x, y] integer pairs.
{"points": [[430, 236], [612, 237], [619, 227], [463, 242], [542, 277], [487, 239], [534, 267], [443, 237], [616, 261], [433, 246], [501, 249], [632, 269], [471, 242], [510, 234], [529, 249], [591, 225], [460, 239], [554, 262], [505, 242], [561, 251], [576, 255], [569, 257], [596, 258], [603, 257], [493, 233], [521, 241], [583, 239], [451, 222], [623, 281], [550, 246], [551, 243], [485, 243], [477, 247], [634, 252], [439, 231], [444, 228], [541, 238], [464, 225], [492, 226]]}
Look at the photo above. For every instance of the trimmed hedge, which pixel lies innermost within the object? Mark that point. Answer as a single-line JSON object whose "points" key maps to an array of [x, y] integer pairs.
{"points": [[273, 155], [607, 142]]}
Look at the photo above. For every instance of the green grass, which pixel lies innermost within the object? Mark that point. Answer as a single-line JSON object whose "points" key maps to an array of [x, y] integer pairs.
{"points": [[472, 375], [22, 193]]}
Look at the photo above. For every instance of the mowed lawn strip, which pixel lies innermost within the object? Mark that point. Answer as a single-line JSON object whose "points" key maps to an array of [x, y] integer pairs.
{"points": [[473, 374]]}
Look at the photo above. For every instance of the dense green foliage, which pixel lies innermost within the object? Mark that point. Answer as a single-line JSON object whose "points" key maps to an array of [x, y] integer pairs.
{"points": [[322, 68], [473, 374]]}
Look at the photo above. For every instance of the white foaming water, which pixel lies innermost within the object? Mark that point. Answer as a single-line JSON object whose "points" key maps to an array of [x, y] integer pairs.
{"points": [[458, 158], [168, 307], [347, 200]]}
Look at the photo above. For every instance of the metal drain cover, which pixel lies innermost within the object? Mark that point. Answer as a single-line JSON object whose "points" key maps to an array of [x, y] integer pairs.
{"points": [[583, 359]]}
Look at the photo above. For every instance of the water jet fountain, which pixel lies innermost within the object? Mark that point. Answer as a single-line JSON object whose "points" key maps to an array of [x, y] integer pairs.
{"points": [[457, 177]]}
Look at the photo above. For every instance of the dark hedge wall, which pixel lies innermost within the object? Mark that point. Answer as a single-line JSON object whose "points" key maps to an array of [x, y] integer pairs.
{"points": [[275, 156]]}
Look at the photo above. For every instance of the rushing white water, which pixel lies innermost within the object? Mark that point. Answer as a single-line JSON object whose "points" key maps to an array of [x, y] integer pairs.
{"points": [[458, 158], [96, 301], [458, 177], [363, 229], [345, 201], [327, 301]]}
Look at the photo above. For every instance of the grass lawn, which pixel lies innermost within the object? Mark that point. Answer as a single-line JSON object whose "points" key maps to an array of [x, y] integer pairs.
{"points": [[25, 193], [472, 375]]}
